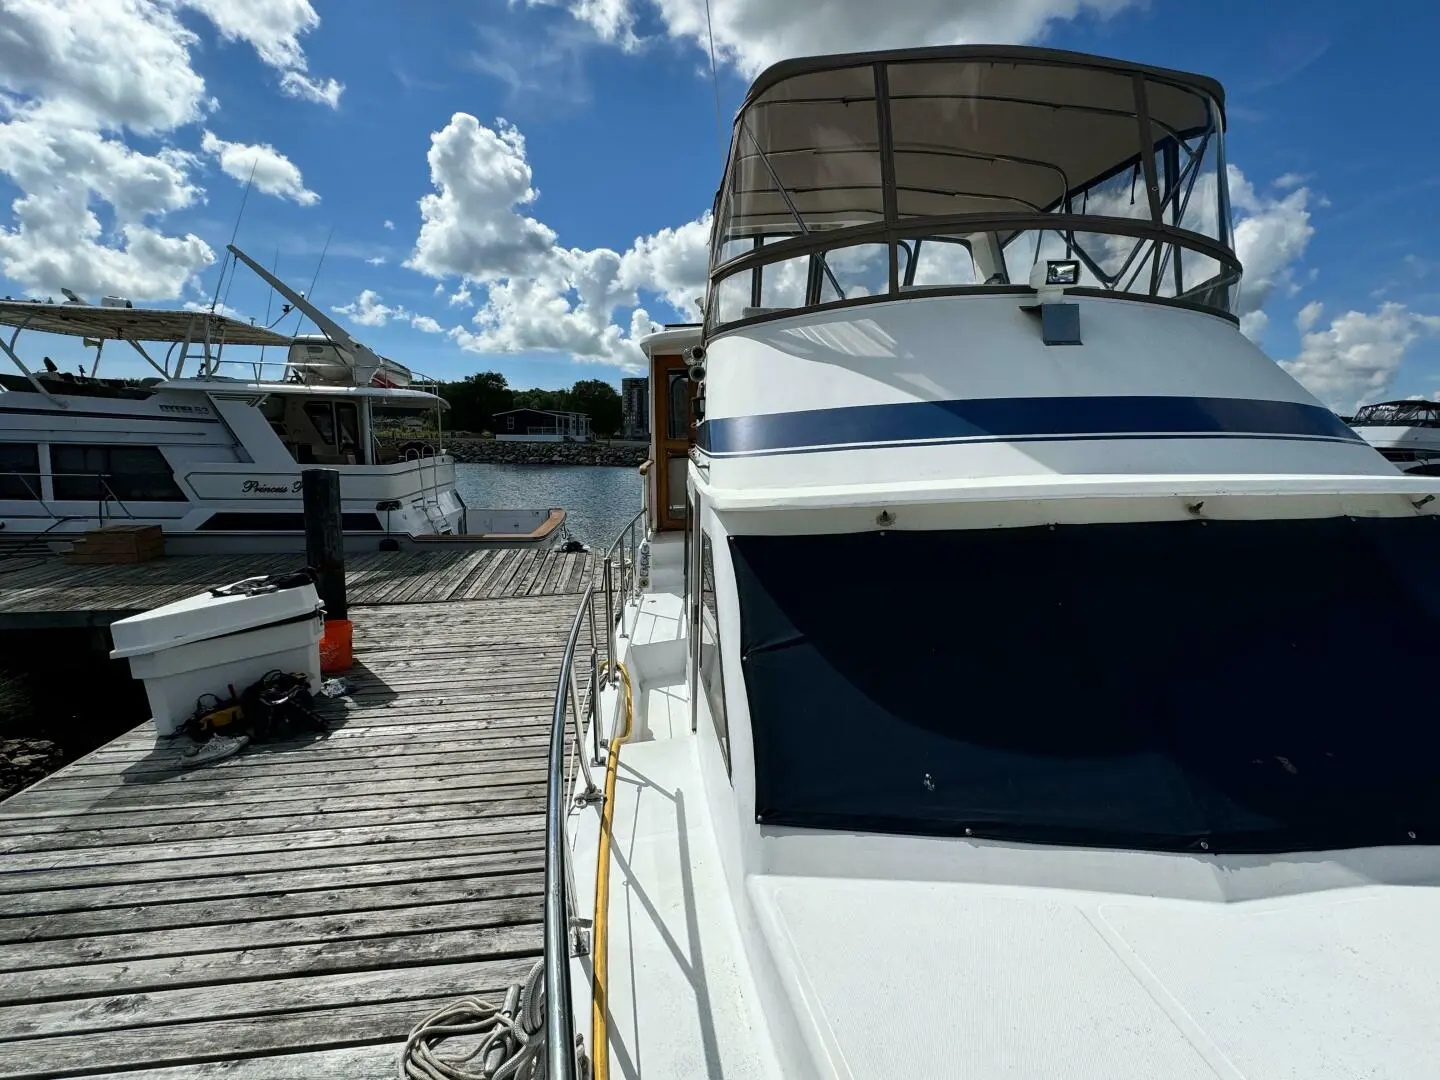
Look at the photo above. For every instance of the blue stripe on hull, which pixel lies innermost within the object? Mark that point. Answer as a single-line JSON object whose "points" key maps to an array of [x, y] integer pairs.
{"points": [[1017, 420]]}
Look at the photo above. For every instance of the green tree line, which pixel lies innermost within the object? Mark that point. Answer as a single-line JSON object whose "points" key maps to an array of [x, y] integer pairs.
{"points": [[476, 398]]}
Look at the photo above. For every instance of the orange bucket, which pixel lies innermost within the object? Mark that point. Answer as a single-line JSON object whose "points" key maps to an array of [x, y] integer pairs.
{"points": [[335, 650]]}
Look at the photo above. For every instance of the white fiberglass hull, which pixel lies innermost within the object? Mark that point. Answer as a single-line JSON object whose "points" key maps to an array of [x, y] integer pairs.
{"points": [[207, 468]]}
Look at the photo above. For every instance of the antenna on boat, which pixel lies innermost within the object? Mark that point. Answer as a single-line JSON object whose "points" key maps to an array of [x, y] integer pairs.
{"points": [[715, 82], [244, 198], [311, 291], [269, 296]]}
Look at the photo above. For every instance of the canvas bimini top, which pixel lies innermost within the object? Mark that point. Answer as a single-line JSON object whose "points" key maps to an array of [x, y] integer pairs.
{"points": [[857, 176], [134, 324]]}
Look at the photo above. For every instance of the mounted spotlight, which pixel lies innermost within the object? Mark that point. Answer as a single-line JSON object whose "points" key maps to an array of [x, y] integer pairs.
{"points": [[1062, 272]]}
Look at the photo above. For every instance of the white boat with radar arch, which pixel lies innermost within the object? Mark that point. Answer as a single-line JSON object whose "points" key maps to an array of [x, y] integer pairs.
{"points": [[211, 447], [991, 690]]}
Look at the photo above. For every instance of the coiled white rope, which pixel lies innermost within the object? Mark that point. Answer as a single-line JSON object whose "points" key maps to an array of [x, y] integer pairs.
{"points": [[512, 1037]]}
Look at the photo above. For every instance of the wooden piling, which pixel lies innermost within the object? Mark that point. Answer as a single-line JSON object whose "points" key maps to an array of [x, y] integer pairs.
{"points": [[325, 538]]}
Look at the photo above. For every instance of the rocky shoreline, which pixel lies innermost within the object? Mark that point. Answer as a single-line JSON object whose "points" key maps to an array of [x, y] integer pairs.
{"points": [[24, 761], [498, 452]]}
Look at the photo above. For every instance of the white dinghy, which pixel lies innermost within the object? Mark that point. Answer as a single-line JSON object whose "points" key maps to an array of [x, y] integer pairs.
{"points": [[991, 692]]}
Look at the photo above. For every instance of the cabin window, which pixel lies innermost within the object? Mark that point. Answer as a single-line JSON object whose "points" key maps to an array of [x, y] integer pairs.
{"points": [[19, 471], [677, 389], [347, 424], [322, 415], [712, 678], [124, 473], [1202, 686]]}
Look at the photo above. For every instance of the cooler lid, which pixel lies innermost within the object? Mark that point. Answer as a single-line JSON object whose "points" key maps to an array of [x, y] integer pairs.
{"points": [[200, 618]]}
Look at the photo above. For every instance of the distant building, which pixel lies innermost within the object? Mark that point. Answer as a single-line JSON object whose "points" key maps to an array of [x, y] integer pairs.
{"points": [[541, 425], [635, 408]]}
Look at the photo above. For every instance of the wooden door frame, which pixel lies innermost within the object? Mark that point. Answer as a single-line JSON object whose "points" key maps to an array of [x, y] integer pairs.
{"points": [[665, 447]]}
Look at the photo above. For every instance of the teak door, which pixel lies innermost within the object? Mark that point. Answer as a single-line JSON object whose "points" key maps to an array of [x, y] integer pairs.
{"points": [[674, 434]]}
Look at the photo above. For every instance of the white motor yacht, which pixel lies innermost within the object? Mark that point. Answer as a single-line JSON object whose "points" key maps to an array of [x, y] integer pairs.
{"points": [[212, 447], [1406, 432], [991, 691]]}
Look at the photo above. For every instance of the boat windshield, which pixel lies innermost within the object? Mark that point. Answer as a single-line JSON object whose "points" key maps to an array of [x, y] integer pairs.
{"points": [[1399, 414], [961, 169], [1182, 686]]}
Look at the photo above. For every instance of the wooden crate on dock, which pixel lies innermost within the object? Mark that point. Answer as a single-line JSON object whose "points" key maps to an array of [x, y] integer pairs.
{"points": [[119, 544]]}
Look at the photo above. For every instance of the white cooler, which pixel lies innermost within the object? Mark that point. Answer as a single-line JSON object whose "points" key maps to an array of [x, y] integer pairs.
{"points": [[206, 644]]}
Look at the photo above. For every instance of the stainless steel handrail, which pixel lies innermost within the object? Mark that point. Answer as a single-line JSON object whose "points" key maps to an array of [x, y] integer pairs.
{"points": [[559, 1024], [559, 910], [627, 577], [101, 501]]}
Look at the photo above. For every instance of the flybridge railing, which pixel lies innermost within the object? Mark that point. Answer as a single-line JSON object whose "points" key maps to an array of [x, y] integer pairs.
{"points": [[564, 930]]}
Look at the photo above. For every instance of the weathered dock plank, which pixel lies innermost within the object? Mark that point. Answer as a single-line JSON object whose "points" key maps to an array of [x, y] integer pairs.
{"points": [[293, 911], [45, 590]]}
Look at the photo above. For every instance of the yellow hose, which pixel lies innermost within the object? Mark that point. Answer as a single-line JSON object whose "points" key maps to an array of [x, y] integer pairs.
{"points": [[599, 1006]]}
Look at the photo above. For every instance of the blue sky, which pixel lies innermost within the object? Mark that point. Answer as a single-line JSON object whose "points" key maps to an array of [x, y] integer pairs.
{"points": [[586, 204]]}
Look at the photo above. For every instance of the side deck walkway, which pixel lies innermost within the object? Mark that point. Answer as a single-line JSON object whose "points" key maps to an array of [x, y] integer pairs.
{"points": [[291, 912]]}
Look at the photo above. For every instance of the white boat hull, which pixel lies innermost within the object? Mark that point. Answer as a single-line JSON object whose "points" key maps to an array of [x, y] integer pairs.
{"points": [[223, 480]]}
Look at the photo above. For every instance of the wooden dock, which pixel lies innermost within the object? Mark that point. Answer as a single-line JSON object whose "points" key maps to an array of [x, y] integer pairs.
{"points": [[45, 592], [293, 911]]}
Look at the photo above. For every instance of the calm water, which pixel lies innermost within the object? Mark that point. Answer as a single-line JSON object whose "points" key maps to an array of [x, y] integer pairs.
{"points": [[599, 501]]}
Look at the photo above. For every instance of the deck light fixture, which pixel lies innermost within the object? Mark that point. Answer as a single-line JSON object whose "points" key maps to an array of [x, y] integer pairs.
{"points": [[1062, 272]]}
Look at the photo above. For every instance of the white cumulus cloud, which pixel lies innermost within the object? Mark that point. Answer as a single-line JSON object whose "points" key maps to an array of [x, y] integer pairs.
{"points": [[1309, 315], [367, 309], [297, 84], [472, 223], [56, 239], [274, 28], [274, 173], [1271, 235], [538, 294], [673, 262], [1355, 359], [105, 64], [76, 79], [750, 34]]}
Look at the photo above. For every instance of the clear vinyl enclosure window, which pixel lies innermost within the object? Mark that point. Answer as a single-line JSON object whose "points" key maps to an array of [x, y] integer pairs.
{"points": [[1399, 414], [910, 174]]}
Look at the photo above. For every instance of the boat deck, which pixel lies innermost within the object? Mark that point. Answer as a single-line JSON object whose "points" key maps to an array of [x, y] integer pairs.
{"points": [[45, 592], [293, 911]]}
